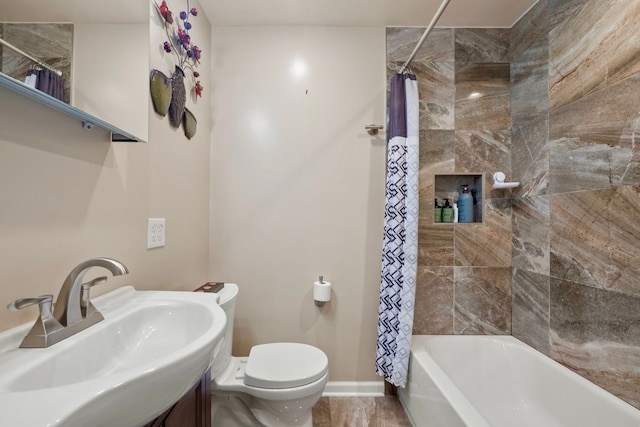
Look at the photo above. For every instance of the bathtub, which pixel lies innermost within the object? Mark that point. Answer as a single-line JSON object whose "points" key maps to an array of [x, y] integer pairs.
{"points": [[498, 381]]}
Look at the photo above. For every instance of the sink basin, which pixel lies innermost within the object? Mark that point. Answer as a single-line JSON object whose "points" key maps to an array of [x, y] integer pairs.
{"points": [[149, 350]]}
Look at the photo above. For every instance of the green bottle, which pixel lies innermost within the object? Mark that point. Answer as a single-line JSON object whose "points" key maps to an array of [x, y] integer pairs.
{"points": [[438, 212], [447, 212]]}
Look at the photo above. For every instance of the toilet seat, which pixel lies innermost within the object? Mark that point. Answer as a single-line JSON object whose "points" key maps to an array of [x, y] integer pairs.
{"points": [[284, 365]]}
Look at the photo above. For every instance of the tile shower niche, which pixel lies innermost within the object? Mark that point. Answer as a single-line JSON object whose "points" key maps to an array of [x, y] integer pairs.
{"points": [[450, 187]]}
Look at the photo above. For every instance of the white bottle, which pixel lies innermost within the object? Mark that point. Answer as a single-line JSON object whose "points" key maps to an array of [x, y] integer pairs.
{"points": [[455, 212]]}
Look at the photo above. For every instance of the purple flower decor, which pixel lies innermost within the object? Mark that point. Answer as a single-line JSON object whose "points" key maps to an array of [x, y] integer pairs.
{"points": [[179, 41]]}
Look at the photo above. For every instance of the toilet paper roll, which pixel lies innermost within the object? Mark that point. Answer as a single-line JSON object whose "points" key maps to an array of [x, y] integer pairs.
{"points": [[321, 291]]}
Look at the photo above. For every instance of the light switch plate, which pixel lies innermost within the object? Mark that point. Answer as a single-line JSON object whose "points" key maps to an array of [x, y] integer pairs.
{"points": [[155, 232]]}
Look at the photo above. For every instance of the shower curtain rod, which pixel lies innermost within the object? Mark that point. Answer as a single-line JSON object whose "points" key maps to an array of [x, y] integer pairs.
{"points": [[26, 55], [432, 24]]}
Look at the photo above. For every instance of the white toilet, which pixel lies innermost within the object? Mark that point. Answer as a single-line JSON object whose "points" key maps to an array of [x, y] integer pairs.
{"points": [[276, 386]]}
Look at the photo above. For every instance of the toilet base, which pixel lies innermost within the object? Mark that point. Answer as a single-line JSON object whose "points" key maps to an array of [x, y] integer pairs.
{"points": [[241, 410]]}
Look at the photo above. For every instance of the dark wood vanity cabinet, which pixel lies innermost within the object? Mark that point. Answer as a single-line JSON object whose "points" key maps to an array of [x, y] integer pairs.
{"points": [[193, 410]]}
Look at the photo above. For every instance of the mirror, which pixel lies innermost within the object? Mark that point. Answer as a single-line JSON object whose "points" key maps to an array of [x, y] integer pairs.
{"points": [[108, 69]]}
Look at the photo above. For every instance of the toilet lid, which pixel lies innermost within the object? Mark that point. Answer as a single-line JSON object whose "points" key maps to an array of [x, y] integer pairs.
{"points": [[284, 365]]}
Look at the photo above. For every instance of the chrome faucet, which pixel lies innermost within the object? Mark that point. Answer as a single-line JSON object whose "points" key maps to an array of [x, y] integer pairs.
{"points": [[67, 308], [73, 311]]}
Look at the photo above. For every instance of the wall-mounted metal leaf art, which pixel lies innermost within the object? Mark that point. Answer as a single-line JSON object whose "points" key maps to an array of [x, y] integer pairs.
{"points": [[160, 92]]}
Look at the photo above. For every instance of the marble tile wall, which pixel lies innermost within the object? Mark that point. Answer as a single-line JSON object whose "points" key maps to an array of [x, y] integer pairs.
{"points": [[556, 261], [464, 276], [530, 157], [575, 75]]}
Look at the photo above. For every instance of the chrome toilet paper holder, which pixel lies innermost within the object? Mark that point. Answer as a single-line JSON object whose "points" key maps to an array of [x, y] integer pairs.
{"points": [[320, 303]]}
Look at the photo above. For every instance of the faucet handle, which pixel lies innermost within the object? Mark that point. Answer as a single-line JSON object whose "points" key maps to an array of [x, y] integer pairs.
{"points": [[44, 327], [85, 304], [45, 301], [97, 281]]}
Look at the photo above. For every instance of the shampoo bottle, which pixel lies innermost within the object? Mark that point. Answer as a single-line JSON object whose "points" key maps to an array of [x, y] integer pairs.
{"points": [[438, 212], [476, 218], [465, 205], [447, 212]]}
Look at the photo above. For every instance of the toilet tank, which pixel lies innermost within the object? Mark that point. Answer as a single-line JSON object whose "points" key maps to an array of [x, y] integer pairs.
{"points": [[222, 354]]}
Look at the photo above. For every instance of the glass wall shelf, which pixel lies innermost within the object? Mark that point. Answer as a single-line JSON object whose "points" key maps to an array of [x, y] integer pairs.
{"points": [[87, 120]]}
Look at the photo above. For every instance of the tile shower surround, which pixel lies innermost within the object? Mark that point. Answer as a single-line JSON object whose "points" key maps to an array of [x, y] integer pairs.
{"points": [[456, 290], [556, 262]]}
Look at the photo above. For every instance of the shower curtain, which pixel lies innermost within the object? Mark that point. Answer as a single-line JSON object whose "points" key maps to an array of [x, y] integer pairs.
{"points": [[400, 247], [46, 81]]}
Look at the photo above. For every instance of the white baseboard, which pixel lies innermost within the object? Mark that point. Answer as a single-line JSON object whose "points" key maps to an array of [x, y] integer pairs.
{"points": [[354, 389]]}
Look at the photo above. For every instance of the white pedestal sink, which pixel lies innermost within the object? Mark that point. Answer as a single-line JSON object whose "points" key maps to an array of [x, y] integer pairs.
{"points": [[149, 350]]}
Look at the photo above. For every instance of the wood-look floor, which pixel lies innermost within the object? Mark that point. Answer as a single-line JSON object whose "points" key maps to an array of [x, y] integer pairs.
{"points": [[359, 412]]}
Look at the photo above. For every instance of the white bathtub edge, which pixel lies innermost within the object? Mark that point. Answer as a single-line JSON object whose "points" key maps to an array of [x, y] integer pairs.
{"points": [[407, 411], [354, 389], [461, 412], [567, 398]]}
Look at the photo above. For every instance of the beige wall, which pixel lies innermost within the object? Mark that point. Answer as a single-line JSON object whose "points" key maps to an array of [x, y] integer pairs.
{"points": [[103, 97], [297, 186], [69, 195]]}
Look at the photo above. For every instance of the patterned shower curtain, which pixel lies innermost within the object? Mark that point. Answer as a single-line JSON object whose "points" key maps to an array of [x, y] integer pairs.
{"points": [[400, 248]]}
